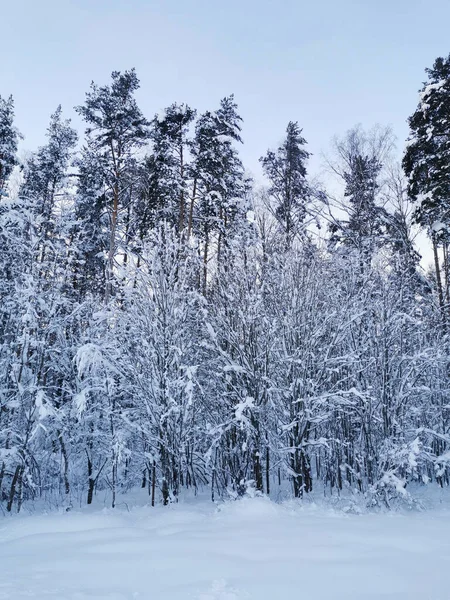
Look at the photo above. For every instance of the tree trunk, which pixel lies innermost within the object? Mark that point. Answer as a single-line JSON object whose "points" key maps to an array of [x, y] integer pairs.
{"points": [[257, 469], [66, 466], [91, 482], [20, 489], [191, 209], [205, 261], [153, 482], [181, 214], [439, 280], [112, 242], [12, 491]]}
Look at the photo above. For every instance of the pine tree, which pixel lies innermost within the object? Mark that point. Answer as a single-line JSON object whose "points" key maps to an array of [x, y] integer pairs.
{"points": [[220, 185], [45, 182], [90, 229], [168, 167], [116, 130], [285, 168], [364, 224], [46, 170], [427, 165], [361, 158], [9, 138], [427, 157]]}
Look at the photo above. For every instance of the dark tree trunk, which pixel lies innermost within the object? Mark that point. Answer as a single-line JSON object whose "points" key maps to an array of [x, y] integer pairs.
{"points": [[91, 483], [12, 491], [153, 482]]}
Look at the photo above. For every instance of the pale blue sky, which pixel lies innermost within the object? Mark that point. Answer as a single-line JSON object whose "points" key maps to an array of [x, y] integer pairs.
{"points": [[326, 64]]}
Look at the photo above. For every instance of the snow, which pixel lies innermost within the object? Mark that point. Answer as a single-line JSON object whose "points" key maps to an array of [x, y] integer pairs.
{"points": [[438, 226], [161, 116], [248, 549], [432, 87]]}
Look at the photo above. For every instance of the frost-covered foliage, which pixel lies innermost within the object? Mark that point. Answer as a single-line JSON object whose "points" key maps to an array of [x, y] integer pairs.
{"points": [[160, 327], [426, 163], [9, 138]]}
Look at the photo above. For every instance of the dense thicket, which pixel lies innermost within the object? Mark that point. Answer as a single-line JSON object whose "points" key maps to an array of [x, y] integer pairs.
{"points": [[164, 325]]}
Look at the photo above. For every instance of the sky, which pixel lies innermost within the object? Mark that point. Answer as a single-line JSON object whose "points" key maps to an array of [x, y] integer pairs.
{"points": [[327, 64]]}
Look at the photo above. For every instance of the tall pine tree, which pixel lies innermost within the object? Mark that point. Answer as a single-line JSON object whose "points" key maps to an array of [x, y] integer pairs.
{"points": [[285, 169], [116, 131]]}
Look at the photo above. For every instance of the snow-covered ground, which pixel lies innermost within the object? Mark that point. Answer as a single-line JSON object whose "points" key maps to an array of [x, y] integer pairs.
{"points": [[244, 550]]}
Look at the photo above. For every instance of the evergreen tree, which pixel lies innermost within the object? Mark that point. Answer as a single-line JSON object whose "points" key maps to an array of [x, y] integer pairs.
{"points": [[46, 171], [364, 225], [116, 130], [427, 165], [90, 229], [286, 170], [427, 157], [9, 138], [168, 167], [45, 184], [220, 185], [361, 157]]}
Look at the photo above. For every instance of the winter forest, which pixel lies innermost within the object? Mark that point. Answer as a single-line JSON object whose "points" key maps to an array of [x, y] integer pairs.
{"points": [[167, 323]]}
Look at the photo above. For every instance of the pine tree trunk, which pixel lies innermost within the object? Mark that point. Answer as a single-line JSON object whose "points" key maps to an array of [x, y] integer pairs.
{"points": [[112, 233], [182, 207], [205, 261], [112, 244], [439, 280], [191, 209]]}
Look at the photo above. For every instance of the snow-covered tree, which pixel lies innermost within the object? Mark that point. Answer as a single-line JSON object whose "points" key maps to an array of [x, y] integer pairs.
{"points": [[289, 191], [218, 201], [167, 190], [426, 163], [9, 139], [116, 130]]}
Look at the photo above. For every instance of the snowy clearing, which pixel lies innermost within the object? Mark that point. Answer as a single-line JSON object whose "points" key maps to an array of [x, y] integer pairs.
{"points": [[249, 549]]}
